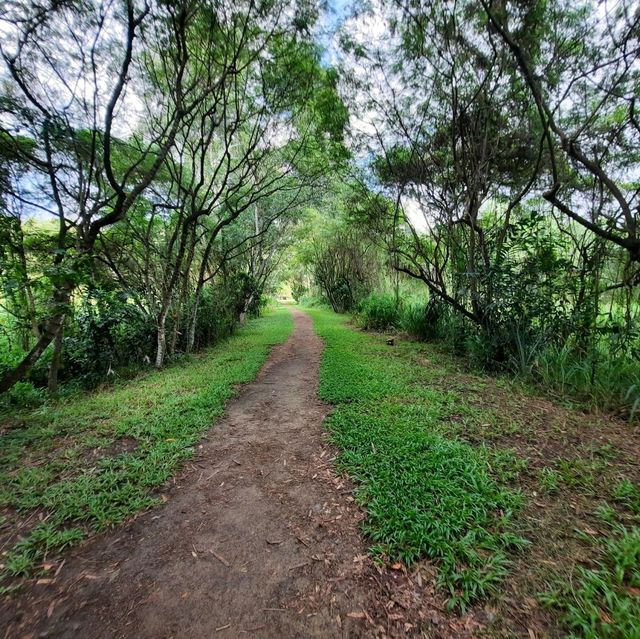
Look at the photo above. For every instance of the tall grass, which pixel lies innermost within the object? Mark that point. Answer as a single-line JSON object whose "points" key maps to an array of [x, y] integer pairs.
{"points": [[599, 379], [379, 312]]}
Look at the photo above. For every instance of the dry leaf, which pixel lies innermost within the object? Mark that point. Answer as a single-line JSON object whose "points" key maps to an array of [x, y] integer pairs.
{"points": [[605, 618]]}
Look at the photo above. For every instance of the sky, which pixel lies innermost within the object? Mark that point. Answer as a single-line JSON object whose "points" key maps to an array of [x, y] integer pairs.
{"points": [[337, 12]]}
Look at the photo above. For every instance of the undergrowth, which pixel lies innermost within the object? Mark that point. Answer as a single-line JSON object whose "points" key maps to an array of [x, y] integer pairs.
{"points": [[604, 602], [60, 466]]}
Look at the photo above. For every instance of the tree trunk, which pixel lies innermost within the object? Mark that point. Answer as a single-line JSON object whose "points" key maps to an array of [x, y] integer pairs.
{"points": [[193, 320], [61, 298], [162, 337], [52, 382]]}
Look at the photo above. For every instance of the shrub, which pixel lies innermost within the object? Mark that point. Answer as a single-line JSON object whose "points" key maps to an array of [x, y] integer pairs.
{"points": [[107, 332], [22, 395], [379, 312], [424, 321], [298, 291]]}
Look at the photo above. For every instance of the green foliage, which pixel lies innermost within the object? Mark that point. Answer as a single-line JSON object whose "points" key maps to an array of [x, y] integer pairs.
{"points": [[22, 395], [298, 290], [379, 312], [627, 493], [108, 331], [46, 464], [601, 378], [425, 495], [44, 540], [604, 602], [424, 321]]}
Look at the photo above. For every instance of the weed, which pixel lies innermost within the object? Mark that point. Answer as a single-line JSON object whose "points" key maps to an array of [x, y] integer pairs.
{"points": [[379, 312], [627, 493], [580, 472], [549, 480], [44, 539], [506, 465], [604, 603], [606, 513]]}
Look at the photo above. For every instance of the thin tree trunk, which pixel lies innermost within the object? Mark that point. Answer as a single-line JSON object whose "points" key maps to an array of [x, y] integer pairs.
{"points": [[54, 368], [193, 320], [61, 298], [162, 337]]}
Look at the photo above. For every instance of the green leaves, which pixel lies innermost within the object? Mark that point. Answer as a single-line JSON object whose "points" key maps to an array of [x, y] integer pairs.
{"points": [[604, 602]]}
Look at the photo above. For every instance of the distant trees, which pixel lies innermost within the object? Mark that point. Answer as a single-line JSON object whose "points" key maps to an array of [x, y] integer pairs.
{"points": [[344, 267]]}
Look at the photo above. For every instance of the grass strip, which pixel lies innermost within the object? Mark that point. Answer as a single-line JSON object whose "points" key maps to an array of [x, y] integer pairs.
{"points": [[426, 495]]}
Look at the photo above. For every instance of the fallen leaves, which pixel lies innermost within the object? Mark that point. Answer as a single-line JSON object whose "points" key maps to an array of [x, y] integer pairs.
{"points": [[357, 615]]}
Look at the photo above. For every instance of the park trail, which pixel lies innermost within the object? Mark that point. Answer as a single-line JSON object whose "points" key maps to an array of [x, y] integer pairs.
{"points": [[257, 537]]}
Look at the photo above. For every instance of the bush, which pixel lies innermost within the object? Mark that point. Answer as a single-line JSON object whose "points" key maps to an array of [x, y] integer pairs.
{"points": [[424, 321], [217, 315], [107, 332], [379, 312], [298, 291], [22, 395], [314, 301]]}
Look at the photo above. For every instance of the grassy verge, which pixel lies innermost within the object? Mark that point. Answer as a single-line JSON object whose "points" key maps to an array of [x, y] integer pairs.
{"points": [[426, 494], [456, 466], [72, 468]]}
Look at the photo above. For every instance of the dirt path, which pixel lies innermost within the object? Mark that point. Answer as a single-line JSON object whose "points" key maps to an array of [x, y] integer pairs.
{"points": [[257, 538]]}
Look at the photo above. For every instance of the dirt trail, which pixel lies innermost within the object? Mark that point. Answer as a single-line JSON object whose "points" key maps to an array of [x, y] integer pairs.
{"points": [[257, 537]]}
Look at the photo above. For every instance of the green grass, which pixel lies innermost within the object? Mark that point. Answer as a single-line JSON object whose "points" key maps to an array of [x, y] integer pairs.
{"points": [[57, 466], [604, 602], [427, 494], [438, 479]]}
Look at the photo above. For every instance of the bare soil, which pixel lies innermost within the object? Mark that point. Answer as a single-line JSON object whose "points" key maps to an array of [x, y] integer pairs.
{"points": [[257, 537]]}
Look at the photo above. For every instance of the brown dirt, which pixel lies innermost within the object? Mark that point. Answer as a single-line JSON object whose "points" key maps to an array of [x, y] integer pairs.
{"points": [[258, 537]]}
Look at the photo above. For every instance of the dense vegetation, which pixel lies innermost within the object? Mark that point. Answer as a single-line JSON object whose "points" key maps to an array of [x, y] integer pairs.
{"points": [[153, 160], [490, 157]]}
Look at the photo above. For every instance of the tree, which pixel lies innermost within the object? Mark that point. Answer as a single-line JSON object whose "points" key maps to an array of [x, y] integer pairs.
{"points": [[73, 121]]}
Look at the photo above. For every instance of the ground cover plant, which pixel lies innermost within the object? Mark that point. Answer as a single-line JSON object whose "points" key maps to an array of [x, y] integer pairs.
{"points": [[71, 468], [459, 468], [425, 494]]}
